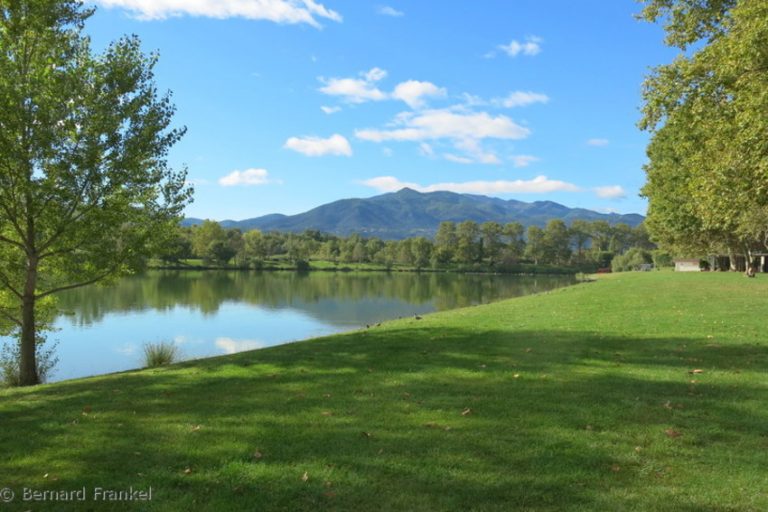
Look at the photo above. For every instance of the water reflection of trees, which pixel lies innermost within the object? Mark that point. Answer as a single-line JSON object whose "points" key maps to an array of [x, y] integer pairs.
{"points": [[207, 290]]}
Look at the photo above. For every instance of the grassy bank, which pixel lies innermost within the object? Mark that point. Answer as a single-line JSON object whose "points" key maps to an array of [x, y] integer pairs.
{"points": [[636, 392]]}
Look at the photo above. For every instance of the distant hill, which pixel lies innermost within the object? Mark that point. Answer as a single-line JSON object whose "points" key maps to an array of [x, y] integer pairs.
{"points": [[409, 213]]}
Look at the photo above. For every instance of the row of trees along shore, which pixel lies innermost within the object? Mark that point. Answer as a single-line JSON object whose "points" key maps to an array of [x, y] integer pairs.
{"points": [[586, 245]]}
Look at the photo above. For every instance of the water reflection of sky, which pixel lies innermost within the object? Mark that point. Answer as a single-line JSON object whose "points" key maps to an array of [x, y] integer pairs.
{"points": [[116, 342]]}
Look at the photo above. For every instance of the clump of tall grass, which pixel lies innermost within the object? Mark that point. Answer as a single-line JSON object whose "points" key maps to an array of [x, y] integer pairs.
{"points": [[160, 354]]}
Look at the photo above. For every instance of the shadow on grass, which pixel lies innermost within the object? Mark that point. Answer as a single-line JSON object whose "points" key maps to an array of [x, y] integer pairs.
{"points": [[411, 418]]}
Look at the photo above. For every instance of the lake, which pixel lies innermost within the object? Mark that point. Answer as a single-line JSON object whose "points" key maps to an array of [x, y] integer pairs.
{"points": [[102, 329]]}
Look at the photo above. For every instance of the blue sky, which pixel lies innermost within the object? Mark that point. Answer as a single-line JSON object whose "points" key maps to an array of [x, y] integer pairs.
{"points": [[290, 104]]}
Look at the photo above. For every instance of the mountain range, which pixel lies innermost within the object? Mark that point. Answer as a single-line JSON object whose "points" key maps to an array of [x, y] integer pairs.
{"points": [[408, 213]]}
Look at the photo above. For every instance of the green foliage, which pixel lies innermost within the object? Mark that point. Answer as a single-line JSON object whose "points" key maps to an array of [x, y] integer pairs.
{"points": [[161, 353], [85, 189], [631, 260], [482, 247], [662, 259], [708, 156]]}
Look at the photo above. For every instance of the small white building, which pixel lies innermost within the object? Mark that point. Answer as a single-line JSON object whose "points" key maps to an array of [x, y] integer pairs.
{"points": [[689, 265]]}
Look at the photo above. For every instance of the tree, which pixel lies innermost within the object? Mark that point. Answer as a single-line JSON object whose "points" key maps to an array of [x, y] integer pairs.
{"points": [[467, 247], [534, 247], [491, 240], [556, 242], [85, 190], [514, 232], [421, 251], [708, 156], [220, 252], [445, 242], [205, 236], [254, 247], [580, 232]]}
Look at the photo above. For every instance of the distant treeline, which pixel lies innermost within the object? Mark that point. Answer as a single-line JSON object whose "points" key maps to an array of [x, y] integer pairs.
{"points": [[456, 245]]}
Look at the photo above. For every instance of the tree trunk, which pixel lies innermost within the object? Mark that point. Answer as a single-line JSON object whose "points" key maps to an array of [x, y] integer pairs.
{"points": [[28, 364]]}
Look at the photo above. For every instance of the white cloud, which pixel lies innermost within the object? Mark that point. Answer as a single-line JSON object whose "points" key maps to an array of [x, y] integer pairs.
{"points": [[388, 184], [522, 99], [465, 130], [386, 10], [375, 74], [474, 153], [315, 146], [531, 46], [230, 346], [597, 142], [356, 90], [278, 11], [538, 185], [412, 92], [523, 160], [458, 159], [247, 177], [444, 123], [610, 192], [470, 100], [330, 110]]}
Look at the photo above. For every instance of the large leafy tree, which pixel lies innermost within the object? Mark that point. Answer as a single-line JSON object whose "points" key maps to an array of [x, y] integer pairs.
{"points": [[708, 113], [85, 190]]}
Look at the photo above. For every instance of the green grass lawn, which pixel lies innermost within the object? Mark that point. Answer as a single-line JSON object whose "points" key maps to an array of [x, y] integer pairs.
{"points": [[584, 398]]}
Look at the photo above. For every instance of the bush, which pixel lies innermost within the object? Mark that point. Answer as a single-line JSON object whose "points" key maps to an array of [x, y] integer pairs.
{"points": [[631, 260], [160, 354], [662, 258]]}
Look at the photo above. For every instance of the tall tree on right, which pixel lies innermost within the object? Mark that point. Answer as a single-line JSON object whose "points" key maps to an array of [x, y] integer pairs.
{"points": [[707, 111]]}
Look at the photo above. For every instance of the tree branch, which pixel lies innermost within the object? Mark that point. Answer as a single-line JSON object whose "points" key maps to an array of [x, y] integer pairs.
{"points": [[75, 285], [10, 317]]}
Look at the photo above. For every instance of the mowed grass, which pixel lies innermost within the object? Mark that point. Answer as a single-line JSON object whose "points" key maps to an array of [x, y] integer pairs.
{"points": [[578, 399]]}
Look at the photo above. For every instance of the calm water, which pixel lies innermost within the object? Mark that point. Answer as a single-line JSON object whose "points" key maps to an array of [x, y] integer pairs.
{"points": [[211, 313]]}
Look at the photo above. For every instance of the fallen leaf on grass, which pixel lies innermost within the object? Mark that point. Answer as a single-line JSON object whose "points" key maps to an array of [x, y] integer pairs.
{"points": [[257, 455], [615, 468], [305, 477], [327, 413], [529, 350], [696, 371], [187, 471], [329, 494], [672, 433], [638, 449], [668, 405], [516, 376], [195, 428], [466, 412], [366, 435]]}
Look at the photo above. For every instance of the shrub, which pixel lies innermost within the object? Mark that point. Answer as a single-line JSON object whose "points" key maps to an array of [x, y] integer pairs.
{"points": [[160, 354], [630, 260]]}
